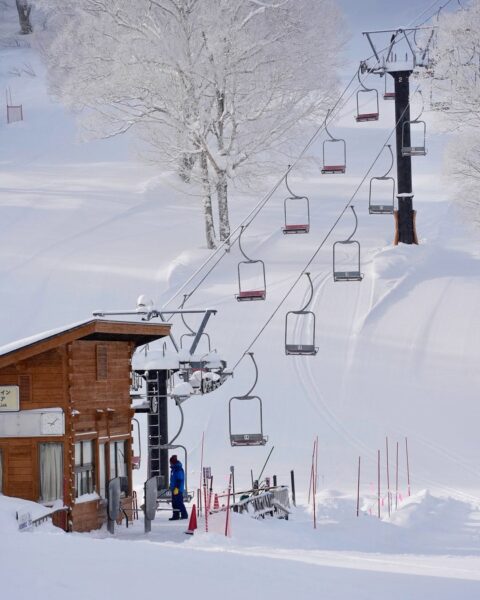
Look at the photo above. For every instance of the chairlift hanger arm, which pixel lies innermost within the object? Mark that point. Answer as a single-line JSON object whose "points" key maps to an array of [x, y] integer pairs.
{"points": [[356, 224], [292, 194], [389, 146], [240, 244], [256, 375], [310, 298]]}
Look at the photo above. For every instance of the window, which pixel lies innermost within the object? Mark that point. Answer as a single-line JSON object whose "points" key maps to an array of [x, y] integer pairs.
{"points": [[83, 468], [118, 459], [51, 471], [101, 470]]}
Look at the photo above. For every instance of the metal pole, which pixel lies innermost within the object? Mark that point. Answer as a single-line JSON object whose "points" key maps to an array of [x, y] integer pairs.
{"points": [[227, 519], [358, 487], [406, 226], [378, 492], [268, 458], [408, 467], [388, 478], [292, 480], [232, 471], [274, 481]]}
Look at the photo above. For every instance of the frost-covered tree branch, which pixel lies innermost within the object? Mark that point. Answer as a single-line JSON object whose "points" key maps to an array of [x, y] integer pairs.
{"points": [[455, 89], [214, 87]]}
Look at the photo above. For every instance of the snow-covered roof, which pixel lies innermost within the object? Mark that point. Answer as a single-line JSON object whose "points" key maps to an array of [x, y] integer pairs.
{"points": [[93, 328]]}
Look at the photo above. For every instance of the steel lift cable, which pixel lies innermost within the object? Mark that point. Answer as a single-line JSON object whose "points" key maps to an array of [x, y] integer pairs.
{"points": [[320, 246], [225, 246]]}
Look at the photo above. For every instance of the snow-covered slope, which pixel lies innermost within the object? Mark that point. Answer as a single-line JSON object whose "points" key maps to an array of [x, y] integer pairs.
{"points": [[87, 226]]}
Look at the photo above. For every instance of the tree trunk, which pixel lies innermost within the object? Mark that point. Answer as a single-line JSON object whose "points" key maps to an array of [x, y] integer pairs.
{"points": [[222, 195], [207, 203], [24, 9]]}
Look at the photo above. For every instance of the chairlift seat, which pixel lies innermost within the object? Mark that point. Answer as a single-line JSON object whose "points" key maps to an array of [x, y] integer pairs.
{"points": [[414, 151], [380, 209], [332, 169], [251, 295], [248, 439], [367, 117], [389, 96], [305, 228], [347, 276], [301, 349]]}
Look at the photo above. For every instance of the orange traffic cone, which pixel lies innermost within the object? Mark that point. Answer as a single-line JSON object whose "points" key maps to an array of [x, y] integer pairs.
{"points": [[192, 524], [216, 503]]}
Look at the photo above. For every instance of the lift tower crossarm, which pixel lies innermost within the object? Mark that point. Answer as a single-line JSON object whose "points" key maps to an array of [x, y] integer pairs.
{"points": [[149, 314]]}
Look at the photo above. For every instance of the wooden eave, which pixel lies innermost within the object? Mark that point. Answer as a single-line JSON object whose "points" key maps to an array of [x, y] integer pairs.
{"points": [[96, 329]]}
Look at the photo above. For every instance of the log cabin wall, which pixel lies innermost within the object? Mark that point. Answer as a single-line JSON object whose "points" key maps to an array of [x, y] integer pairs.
{"points": [[83, 370], [99, 392], [42, 382]]}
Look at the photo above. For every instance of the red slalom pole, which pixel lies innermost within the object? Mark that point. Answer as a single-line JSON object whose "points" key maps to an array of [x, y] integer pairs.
{"points": [[201, 467], [314, 484], [358, 487], [388, 478], [408, 467]]}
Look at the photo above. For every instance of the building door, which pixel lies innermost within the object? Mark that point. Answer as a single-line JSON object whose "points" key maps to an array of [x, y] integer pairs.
{"points": [[51, 471]]}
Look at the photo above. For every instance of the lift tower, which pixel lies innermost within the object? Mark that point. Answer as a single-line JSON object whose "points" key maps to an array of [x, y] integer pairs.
{"points": [[399, 53]]}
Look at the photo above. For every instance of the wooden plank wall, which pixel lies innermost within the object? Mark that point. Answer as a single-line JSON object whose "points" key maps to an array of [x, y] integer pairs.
{"points": [[90, 381], [42, 385]]}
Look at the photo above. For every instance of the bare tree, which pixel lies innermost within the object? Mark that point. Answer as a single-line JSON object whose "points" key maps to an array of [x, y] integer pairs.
{"points": [[214, 87], [24, 9]]}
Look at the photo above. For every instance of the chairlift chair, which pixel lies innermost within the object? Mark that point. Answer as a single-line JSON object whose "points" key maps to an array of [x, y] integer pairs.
{"points": [[330, 168], [290, 201], [417, 124], [249, 294], [388, 205], [362, 117], [255, 438], [388, 94], [407, 148], [301, 346], [352, 274]]}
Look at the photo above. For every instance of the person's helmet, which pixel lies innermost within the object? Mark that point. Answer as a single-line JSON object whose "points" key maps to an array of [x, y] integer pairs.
{"points": [[173, 459]]}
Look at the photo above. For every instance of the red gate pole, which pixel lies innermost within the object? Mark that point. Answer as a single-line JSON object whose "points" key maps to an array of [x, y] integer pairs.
{"points": [[314, 479], [388, 478], [408, 467], [358, 487], [201, 469]]}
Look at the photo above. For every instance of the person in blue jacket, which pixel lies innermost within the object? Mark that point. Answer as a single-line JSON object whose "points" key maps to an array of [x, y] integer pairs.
{"points": [[177, 487]]}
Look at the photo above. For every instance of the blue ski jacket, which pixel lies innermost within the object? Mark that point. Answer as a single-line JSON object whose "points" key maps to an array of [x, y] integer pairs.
{"points": [[177, 477]]}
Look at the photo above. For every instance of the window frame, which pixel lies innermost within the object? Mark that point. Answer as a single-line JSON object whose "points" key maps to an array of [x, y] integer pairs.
{"points": [[83, 467]]}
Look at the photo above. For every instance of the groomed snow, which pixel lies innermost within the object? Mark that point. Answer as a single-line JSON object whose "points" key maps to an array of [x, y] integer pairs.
{"points": [[88, 226]]}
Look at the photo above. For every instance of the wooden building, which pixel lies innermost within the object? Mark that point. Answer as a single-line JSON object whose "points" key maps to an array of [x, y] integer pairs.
{"points": [[65, 416]]}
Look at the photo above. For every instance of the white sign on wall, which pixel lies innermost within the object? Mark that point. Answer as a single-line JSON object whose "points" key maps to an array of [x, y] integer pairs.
{"points": [[33, 423], [9, 398]]}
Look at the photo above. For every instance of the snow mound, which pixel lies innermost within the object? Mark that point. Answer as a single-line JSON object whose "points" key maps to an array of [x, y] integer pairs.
{"points": [[10, 507]]}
